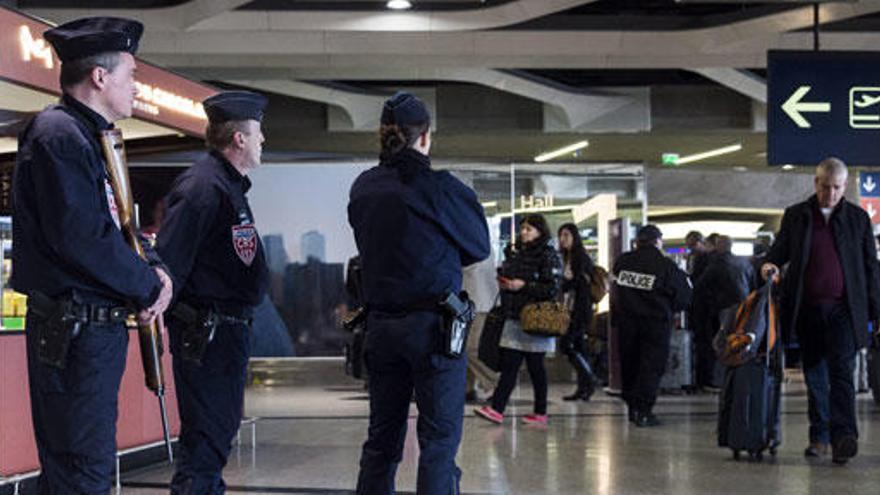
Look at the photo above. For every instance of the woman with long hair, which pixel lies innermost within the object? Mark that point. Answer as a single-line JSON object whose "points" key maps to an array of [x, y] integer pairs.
{"points": [[529, 274], [576, 273]]}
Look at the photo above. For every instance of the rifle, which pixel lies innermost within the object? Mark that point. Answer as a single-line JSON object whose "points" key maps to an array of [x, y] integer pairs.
{"points": [[148, 334]]}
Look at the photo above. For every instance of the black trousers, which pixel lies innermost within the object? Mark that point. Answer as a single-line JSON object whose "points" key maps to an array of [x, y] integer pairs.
{"points": [[511, 360], [829, 349], [644, 350], [74, 409], [210, 399], [403, 357]]}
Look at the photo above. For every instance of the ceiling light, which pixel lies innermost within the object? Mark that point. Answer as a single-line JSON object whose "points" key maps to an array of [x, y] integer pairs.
{"points": [[709, 154], [399, 4], [543, 157]]}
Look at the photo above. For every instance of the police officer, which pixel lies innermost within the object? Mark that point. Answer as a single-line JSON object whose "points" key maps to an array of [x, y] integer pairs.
{"points": [[415, 229], [73, 262], [648, 288], [211, 246]]}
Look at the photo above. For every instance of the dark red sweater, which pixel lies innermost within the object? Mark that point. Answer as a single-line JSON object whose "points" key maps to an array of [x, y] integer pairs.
{"points": [[823, 279]]}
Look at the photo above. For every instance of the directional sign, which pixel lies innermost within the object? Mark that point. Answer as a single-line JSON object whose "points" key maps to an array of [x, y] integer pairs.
{"points": [[822, 104], [872, 206], [869, 184]]}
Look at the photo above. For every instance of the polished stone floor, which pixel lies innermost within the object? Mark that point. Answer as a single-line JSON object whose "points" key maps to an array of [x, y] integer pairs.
{"points": [[308, 441]]}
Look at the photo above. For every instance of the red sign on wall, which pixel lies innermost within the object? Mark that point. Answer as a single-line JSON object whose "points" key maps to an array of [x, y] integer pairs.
{"points": [[163, 97], [872, 206]]}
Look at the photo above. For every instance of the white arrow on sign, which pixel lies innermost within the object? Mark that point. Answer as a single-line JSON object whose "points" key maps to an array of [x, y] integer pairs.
{"points": [[871, 211], [869, 185], [793, 107]]}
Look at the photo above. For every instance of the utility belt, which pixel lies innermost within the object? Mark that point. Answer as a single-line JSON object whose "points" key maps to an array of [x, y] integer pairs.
{"points": [[200, 325], [457, 311], [60, 321]]}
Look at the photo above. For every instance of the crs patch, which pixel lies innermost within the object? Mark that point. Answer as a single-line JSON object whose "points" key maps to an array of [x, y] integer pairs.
{"points": [[244, 240], [636, 280]]}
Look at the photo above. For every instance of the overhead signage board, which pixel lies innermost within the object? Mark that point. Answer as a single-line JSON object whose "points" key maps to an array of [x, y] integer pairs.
{"points": [[822, 104]]}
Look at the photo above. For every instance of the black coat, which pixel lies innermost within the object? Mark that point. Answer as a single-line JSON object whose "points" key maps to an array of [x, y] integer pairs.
{"points": [[539, 266], [725, 281], [648, 284], [858, 258], [579, 286], [65, 236], [209, 239]]}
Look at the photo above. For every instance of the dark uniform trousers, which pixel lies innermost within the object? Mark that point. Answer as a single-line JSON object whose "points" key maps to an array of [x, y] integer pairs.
{"points": [[74, 409], [644, 350], [829, 349], [402, 356], [211, 400]]}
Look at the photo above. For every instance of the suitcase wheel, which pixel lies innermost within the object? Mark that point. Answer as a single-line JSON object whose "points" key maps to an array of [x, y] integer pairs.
{"points": [[772, 451], [736, 455], [757, 456]]}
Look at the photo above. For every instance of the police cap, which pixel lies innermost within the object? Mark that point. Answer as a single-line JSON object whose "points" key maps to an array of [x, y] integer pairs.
{"points": [[649, 233], [404, 109], [93, 35], [235, 105]]}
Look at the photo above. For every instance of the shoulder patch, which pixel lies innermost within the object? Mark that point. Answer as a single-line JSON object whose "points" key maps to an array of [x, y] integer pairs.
{"points": [[636, 280]]}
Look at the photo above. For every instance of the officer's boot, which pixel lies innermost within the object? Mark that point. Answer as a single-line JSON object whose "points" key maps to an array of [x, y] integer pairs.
{"points": [[586, 378]]}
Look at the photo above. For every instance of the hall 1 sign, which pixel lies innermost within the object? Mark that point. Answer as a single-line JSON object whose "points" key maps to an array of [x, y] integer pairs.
{"points": [[822, 104]]}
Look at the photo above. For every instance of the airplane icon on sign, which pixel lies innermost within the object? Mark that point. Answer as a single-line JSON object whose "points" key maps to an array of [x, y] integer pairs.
{"points": [[864, 107]]}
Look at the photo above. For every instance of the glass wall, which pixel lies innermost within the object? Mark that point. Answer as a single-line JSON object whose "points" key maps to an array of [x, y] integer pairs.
{"points": [[301, 211]]}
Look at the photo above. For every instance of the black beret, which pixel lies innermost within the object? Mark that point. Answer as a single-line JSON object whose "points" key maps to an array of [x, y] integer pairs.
{"points": [[235, 105], [93, 35], [649, 233], [404, 109]]}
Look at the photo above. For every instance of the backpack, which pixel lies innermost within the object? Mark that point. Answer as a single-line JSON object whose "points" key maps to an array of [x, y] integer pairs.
{"points": [[599, 284]]}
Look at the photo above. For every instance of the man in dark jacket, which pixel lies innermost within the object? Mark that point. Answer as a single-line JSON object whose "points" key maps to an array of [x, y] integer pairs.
{"points": [[725, 282], [830, 293], [648, 288]]}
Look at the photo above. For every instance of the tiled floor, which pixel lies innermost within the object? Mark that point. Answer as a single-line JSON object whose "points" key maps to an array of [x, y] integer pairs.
{"points": [[308, 441]]}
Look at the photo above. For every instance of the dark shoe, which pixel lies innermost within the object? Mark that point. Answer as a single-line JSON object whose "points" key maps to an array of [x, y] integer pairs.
{"points": [[582, 393], [633, 415], [647, 420], [816, 449], [844, 449]]}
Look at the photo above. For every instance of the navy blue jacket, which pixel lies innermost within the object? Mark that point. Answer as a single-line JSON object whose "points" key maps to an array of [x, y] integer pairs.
{"points": [[415, 228], [208, 238], [65, 239]]}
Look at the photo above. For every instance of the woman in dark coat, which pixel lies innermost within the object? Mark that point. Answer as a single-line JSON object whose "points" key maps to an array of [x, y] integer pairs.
{"points": [[530, 274], [577, 270]]}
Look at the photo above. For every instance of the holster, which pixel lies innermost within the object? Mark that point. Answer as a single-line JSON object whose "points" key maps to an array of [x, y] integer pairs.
{"points": [[199, 327], [58, 323], [355, 319], [457, 316]]}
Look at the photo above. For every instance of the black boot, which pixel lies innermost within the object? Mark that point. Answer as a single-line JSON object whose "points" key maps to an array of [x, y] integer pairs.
{"points": [[586, 379]]}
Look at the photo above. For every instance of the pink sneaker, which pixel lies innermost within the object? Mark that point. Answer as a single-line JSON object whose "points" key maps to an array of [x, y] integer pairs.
{"points": [[489, 414], [535, 419]]}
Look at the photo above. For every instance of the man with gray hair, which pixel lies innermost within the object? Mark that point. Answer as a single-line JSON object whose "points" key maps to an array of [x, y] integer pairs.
{"points": [[829, 294]]}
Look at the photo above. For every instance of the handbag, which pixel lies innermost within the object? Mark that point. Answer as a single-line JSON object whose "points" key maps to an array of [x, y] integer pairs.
{"points": [[546, 318], [489, 352]]}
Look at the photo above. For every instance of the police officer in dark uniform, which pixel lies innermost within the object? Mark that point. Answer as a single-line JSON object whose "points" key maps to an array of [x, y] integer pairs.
{"points": [[211, 246], [415, 229], [71, 258], [648, 289]]}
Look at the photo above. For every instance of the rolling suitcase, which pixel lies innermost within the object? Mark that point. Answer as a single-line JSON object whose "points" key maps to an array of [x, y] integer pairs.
{"points": [[750, 402], [679, 375]]}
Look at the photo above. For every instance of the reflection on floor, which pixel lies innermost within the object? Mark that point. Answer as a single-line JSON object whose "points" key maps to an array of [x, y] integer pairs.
{"points": [[308, 441]]}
